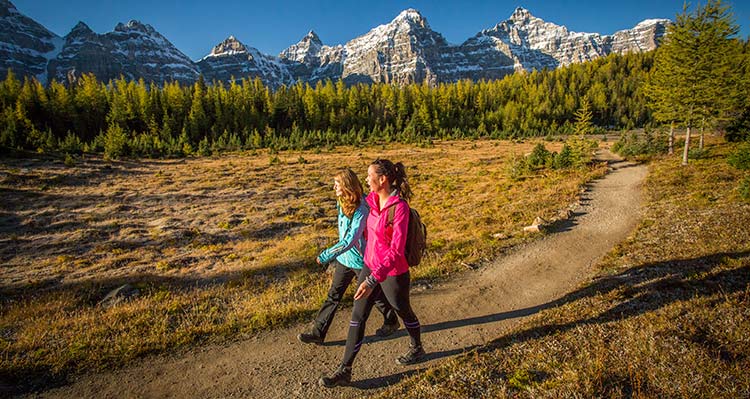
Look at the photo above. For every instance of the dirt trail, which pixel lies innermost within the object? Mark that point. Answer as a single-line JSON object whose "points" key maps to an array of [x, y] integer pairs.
{"points": [[456, 316]]}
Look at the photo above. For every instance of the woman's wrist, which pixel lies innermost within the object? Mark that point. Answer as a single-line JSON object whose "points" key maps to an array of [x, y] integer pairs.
{"points": [[371, 281]]}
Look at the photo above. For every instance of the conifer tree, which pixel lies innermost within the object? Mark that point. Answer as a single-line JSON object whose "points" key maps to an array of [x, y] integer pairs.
{"points": [[694, 69], [579, 145]]}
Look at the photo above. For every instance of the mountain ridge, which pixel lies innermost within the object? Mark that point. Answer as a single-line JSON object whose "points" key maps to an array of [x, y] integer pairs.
{"points": [[404, 50]]}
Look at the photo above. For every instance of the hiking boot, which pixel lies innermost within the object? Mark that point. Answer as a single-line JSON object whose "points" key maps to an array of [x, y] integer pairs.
{"points": [[309, 338], [387, 329], [414, 355], [342, 376]]}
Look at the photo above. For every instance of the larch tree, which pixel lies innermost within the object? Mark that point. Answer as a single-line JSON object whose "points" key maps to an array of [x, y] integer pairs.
{"points": [[692, 80]]}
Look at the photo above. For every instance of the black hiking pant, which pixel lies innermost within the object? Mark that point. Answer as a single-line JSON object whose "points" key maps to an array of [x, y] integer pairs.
{"points": [[342, 277], [396, 291]]}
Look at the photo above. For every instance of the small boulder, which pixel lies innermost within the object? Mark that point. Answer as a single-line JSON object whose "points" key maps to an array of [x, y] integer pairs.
{"points": [[534, 228], [539, 221]]}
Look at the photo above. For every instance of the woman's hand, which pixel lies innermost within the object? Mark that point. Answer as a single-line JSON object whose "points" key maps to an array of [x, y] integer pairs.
{"points": [[363, 291]]}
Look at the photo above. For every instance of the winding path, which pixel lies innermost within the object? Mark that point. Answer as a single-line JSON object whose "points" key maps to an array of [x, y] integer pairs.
{"points": [[456, 316]]}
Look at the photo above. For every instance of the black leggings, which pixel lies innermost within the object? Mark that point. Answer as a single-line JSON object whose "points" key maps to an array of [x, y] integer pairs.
{"points": [[396, 291], [342, 277]]}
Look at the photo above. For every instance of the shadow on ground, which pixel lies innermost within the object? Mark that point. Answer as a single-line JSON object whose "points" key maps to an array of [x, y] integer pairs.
{"points": [[646, 288]]}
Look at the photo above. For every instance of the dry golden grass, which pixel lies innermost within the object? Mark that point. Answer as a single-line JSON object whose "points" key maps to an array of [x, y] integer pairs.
{"points": [[221, 248], [668, 316]]}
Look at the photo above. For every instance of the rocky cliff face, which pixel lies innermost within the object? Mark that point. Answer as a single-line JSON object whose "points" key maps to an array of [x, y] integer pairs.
{"points": [[402, 51], [25, 45], [231, 59], [307, 51], [311, 61], [133, 50], [643, 37], [525, 42]]}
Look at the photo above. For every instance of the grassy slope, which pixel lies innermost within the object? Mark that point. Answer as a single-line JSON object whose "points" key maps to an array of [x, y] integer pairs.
{"points": [[220, 248], [668, 316]]}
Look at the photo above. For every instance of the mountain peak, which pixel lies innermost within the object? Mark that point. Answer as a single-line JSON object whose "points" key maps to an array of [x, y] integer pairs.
{"points": [[520, 14], [649, 22], [135, 25], [411, 16], [80, 29], [230, 45], [313, 37], [306, 51]]}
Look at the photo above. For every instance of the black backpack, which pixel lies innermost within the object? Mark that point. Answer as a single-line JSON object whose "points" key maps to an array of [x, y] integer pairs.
{"points": [[416, 236]]}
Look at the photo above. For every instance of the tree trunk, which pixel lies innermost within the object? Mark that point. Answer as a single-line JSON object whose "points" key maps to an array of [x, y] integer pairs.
{"points": [[687, 146], [700, 142], [671, 138]]}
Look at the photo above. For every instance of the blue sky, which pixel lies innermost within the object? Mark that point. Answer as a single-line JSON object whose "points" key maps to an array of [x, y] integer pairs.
{"points": [[195, 27]]}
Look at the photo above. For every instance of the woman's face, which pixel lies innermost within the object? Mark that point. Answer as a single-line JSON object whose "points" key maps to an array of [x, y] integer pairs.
{"points": [[374, 181], [337, 187]]}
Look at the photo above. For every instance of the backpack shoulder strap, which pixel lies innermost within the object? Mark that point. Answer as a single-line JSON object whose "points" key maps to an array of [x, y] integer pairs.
{"points": [[391, 215]]}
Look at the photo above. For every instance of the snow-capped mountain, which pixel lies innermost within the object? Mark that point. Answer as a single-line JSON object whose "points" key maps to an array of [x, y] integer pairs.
{"points": [[231, 59], [307, 51], [525, 42], [133, 50], [311, 61], [25, 45], [405, 50], [643, 37]]}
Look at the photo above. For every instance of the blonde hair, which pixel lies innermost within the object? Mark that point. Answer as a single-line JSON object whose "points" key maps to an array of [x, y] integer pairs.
{"points": [[351, 191]]}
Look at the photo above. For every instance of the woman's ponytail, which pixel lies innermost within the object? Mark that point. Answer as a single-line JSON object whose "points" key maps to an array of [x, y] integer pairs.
{"points": [[400, 181]]}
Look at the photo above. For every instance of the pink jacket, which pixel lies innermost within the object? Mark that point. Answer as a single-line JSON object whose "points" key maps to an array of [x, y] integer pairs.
{"points": [[386, 243]]}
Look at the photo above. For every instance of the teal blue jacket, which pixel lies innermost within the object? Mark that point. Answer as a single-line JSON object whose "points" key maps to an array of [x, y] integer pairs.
{"points": [[351, 245]]}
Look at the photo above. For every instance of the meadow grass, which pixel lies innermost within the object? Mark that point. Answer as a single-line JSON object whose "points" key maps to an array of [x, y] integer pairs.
{"points": [[668, 314], [220, 248]]}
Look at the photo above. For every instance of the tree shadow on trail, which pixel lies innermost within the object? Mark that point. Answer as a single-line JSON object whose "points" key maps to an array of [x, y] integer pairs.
{"points": [[643, 289], [384, 381]]}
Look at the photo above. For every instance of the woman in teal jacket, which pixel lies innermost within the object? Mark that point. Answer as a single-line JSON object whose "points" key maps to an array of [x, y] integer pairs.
{"points": [[346, 256]]}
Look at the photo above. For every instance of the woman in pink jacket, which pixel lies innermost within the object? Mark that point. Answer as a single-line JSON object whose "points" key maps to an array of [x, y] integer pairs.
{"points": [[385, 266]]}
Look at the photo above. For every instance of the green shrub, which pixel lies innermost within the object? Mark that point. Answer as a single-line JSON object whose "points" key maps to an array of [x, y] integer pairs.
{"points": [[71, 144], [204, 149], [635, 145], [69, 161], [697, 153], [739, 129], [740, 158], [563, 159], [518, 169], [539, 157], [580, 148], [115, 142], [744, 188]]}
